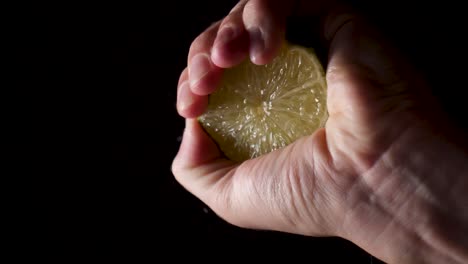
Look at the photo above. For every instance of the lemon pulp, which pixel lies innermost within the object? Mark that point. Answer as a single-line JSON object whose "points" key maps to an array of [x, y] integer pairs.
{"points": [[258, 109]]}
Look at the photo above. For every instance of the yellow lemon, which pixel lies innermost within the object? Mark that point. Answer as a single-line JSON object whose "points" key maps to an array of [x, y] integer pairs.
{"points": [[258, 109]]}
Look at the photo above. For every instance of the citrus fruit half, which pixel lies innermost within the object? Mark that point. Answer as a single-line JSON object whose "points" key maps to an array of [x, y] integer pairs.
{"points": [[257, 109]]}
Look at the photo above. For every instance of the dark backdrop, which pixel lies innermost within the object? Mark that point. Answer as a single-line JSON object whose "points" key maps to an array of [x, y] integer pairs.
{"points": [[116, 68]]}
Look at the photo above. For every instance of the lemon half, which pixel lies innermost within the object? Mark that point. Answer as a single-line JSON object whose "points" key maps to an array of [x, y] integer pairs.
{"points": [[258, 109]]}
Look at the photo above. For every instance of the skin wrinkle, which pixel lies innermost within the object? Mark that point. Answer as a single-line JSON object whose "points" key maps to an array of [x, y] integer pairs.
{"points": [[228, 202], [390, 227], [212, 174], [277, 201], [366, 163], [424, 239], [269, 198], [255, 186], [322, 170], [334, 151], [213, 167], [357, 198], [307, 189], [353, 198], [439, 238], [223, 203], [361, 196], [400, 212], [359, 206], [286, 183], [414, 238], [293, 186], [397, 102], [304, 188], [394, 92], [338, 77], [331, 37], [362, 159], [414, 161]]}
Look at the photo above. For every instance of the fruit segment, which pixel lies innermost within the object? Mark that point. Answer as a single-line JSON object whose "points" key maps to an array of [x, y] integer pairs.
{"points": [[258, 109]]}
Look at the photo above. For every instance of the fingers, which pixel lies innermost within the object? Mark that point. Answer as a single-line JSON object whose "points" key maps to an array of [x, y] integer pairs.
{"points": [[231, 44], [255, 26], [203, 75], [265, 22], [189, 105]]}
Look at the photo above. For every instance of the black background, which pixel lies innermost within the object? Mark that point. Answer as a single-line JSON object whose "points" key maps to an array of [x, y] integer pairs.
{"points": [[116, 68]]}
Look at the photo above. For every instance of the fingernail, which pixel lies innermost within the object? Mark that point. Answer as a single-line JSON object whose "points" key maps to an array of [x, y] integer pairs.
{"points": [[257, 43], [185, 96], [199, 67], [225, 35]]}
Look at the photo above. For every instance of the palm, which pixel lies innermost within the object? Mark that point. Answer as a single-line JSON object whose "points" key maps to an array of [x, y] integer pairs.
{"points": [[361, 127]]}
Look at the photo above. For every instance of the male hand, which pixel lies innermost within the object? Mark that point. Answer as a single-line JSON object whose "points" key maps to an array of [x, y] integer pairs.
{"points": [[374, 175]]}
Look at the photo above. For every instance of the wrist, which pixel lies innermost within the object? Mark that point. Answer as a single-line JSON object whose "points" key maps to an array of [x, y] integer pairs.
{"points": [[417, 209], [431, 199], [436, 210]]}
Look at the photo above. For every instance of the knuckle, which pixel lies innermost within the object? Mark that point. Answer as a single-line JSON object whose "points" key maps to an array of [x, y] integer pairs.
{"points": [[196, 42]]}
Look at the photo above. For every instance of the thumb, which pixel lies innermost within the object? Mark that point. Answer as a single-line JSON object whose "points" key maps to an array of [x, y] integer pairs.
{"points": [[362, 65], [199, 163], [277, 191], [371, 89]]}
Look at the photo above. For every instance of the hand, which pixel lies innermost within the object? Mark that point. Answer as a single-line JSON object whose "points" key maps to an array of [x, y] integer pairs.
{"points": [[373, 175]]}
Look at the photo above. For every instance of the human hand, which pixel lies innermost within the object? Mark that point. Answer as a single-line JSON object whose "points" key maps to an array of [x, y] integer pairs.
{"points": [[368, 176]]}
